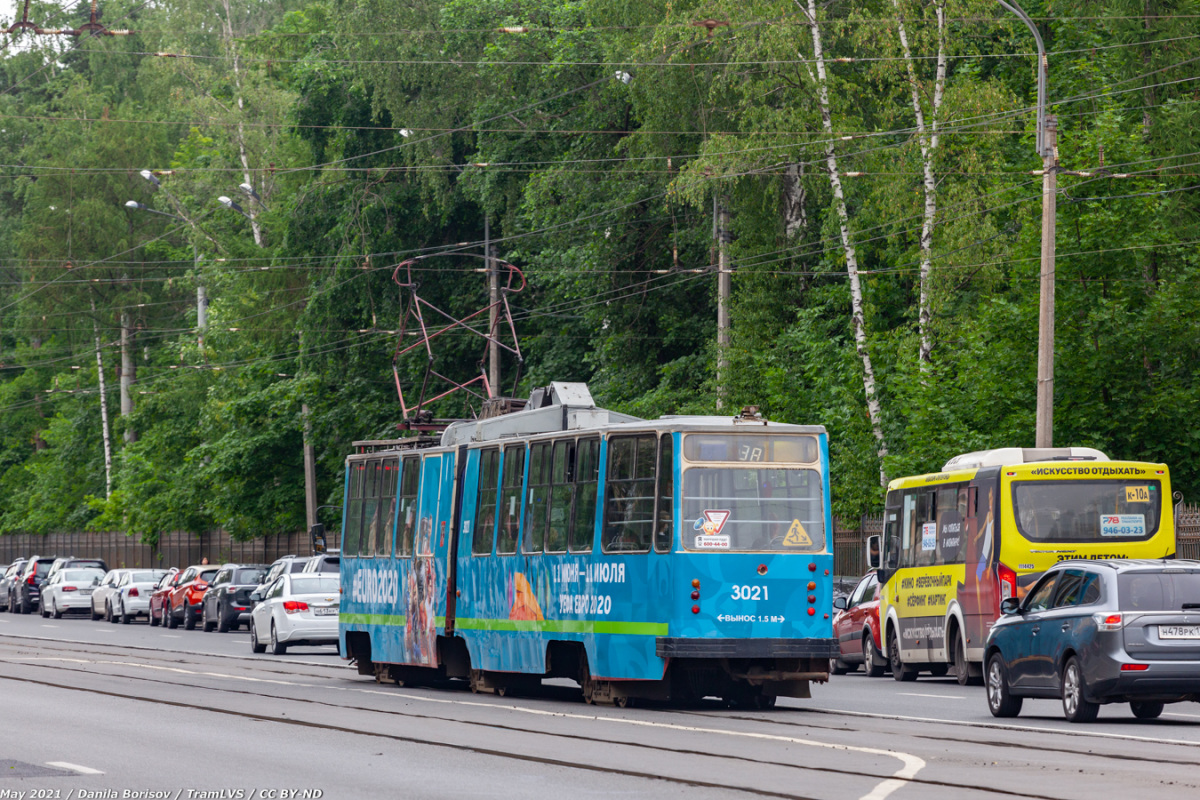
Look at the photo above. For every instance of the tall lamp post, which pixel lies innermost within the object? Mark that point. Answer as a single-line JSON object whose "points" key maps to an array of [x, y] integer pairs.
{"points": [[310, 465], [1047, 148]]}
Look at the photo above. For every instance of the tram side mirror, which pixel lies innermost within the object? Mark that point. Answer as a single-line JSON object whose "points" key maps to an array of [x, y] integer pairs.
{"points": [[317, 534], [1010, 605], [873, 559], [839, 603]]}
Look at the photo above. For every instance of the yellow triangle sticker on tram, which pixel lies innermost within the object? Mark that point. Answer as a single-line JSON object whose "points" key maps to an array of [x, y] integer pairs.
{"points": [[797, 536]]}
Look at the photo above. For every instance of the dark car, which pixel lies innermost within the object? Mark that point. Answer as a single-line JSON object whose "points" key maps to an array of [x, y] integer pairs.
{"points": [[1098, 632], [26, 596], [186, 596], [8, 582], [226, 604], [856, 627]]}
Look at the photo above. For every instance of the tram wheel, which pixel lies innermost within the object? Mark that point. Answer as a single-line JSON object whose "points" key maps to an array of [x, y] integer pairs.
{"points": [[623, 702]]}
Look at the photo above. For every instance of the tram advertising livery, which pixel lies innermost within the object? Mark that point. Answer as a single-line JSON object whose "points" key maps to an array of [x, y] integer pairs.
{"points": [[674, 559]]}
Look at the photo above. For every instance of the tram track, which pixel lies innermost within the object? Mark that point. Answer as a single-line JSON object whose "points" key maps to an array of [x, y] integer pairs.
{"points": [[503, 753], [32, 651]]}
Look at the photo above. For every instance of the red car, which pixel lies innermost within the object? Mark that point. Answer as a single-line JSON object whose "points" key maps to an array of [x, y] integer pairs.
{"points": [[856, 627], [161, 596], [188, 594]]}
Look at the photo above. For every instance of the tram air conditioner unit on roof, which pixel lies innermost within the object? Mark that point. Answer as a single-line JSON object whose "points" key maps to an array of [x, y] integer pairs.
{"points": [[1007, 456]]}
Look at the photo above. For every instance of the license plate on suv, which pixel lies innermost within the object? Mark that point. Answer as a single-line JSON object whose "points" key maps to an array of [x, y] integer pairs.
{"points": [[1179, 631]]}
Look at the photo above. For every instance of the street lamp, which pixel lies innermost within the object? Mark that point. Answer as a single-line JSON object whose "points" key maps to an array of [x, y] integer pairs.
{"points": [[310, 470], [201, 294], [249, 190], [229, 203], [136, 206]]}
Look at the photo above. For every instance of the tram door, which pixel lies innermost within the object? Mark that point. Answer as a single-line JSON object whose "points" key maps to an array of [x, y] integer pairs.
{"points": [[426, 583]]}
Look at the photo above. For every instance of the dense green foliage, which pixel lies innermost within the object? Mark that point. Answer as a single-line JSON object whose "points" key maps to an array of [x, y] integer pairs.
{"points": [[593, 135]]}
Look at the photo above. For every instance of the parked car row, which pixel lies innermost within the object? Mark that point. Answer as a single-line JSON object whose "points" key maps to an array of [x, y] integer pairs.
{"points": [[21, 586], [293, 601]]}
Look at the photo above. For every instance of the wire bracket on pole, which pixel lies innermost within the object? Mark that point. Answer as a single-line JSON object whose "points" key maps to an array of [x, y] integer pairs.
{"points": [[92, 26], [417, 417]]}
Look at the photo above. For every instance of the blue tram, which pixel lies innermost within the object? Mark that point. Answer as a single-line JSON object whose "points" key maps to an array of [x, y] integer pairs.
{"points": [[675, 558]]}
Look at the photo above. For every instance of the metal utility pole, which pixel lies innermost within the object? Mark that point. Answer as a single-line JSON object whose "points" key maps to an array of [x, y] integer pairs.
{"points": [[310, 470], [1047, 148], [127, 375], [1045, 388], [724, 290], [494, 314], [201, 301]]}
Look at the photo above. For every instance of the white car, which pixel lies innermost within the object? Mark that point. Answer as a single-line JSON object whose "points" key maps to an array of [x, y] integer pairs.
{"points": [[295, 609], [70, 590], [132, 597], [103, 593]]}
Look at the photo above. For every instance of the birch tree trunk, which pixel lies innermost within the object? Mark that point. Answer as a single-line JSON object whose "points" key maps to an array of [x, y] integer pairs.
{"points": [[856, 301], [928, 139], [231, 44], [103, 407]]}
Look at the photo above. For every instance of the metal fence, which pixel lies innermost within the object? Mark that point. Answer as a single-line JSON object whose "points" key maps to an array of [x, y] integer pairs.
{"points": [[849, 544], [1187, 531], [173, 550]]}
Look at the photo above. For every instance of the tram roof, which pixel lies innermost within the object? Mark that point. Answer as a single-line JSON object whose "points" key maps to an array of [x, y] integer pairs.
{"points": [[568, 407]]}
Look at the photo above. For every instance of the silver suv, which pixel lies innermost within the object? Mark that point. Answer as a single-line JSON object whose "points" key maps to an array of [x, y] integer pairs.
{"points": [[1099, 632]]}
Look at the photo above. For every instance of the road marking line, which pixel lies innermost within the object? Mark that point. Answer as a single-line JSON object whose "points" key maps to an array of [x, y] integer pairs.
{"points": [[169, 636], [74, 768], [935, 696], [1176, 714], [49, 626], [912, 764]]}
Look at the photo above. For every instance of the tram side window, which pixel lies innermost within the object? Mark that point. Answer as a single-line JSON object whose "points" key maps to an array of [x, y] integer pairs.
{"points": [[562, 495], [370, 509], [629, 494], [537, 500], [350, 537], [908, 523], [925, 534], [485, 504], [587, 476], [510, 499], [410, 484], [951, 523], [664, 515], [388, 474]]}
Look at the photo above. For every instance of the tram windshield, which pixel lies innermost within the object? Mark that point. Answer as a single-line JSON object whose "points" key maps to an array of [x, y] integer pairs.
{"points": [[744, 509]]}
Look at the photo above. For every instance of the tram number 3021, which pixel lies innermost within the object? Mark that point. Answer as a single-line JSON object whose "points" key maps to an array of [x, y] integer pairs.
{"points": [[750, 593]]}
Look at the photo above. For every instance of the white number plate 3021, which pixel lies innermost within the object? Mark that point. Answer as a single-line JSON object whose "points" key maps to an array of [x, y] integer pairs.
{"points": [[1179, 631]]}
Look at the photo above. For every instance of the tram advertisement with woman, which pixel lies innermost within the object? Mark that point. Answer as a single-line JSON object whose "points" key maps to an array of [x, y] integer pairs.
{"points": [[674, 558], [958, 542]]}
